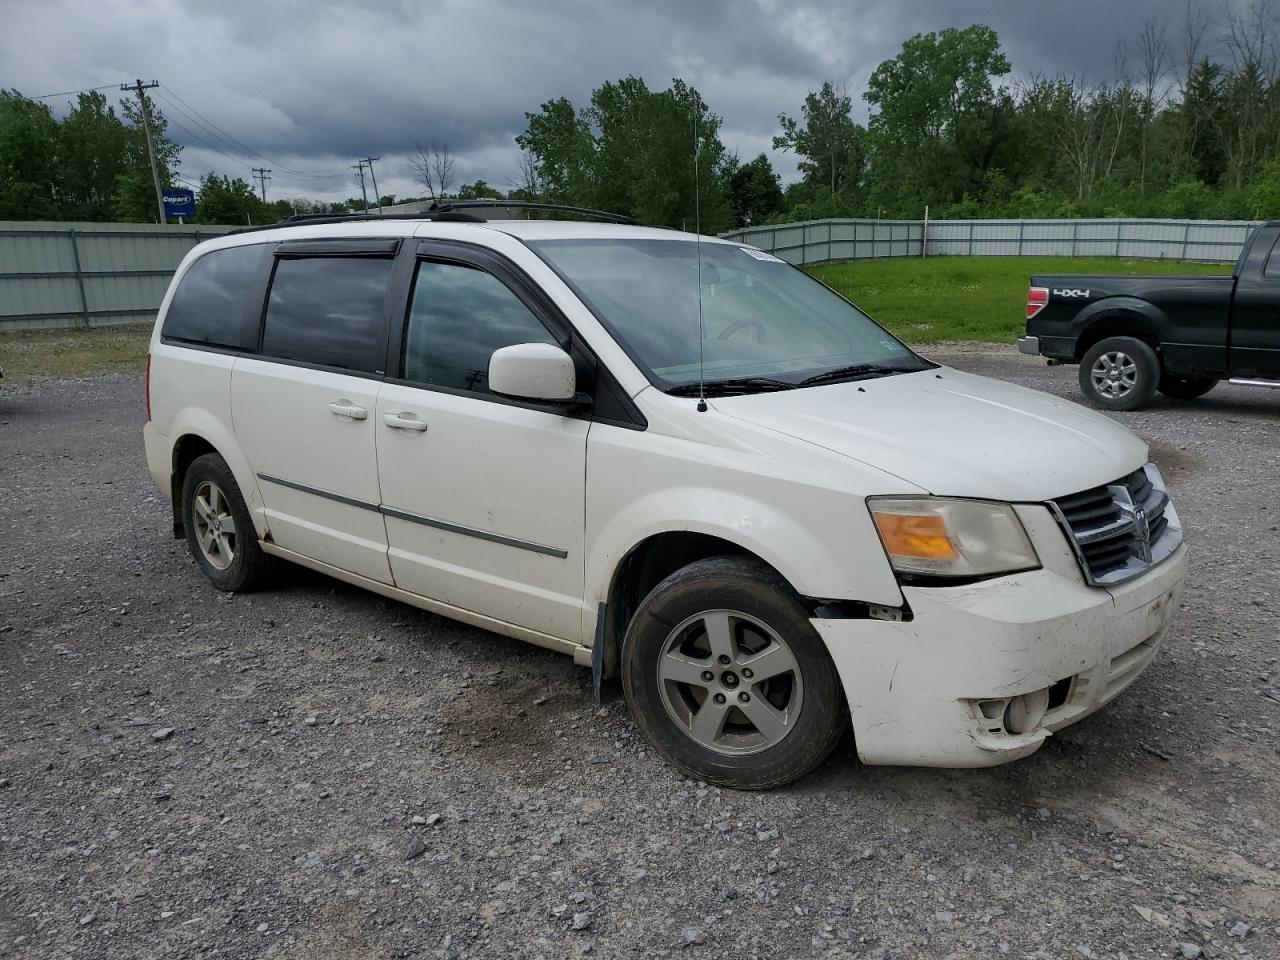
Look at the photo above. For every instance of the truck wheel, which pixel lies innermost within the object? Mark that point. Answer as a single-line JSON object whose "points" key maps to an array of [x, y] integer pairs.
{"points": [[220, 532], [1119, 373], [1186, 388], [728, 680]]}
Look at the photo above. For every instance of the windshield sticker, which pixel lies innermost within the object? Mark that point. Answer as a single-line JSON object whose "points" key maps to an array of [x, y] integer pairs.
{"points": [[761, 255]]}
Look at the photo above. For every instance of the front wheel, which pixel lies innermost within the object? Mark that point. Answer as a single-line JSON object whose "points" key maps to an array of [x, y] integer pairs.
{"points": [[728, 680], [1119, 373], [1186, 388]]}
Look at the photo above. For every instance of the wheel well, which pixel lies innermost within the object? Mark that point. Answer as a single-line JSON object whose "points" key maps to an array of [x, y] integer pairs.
{"points": [[185, 452], [647, 565], [1116, 325]]}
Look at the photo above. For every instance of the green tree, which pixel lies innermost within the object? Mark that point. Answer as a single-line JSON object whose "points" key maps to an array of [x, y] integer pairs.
{"points": [[831, 147], [632, 151], [478, 191], [562, 148], [93, 149], [754, 191], [223, 200], [28, 157], [939, 121]]}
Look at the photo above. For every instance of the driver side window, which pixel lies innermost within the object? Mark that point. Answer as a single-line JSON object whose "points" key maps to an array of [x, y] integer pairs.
{"points": [[459, 316]]}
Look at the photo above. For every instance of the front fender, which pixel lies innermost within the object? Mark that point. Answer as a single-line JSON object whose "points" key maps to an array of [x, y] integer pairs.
{"points": [[825, 553]]}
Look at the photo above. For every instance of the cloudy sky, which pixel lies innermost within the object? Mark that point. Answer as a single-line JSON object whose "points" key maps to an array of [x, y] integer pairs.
{"points": [[307, 87]]}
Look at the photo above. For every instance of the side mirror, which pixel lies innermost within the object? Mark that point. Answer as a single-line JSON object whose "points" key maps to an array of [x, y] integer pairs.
{"points": [[533, 371]]}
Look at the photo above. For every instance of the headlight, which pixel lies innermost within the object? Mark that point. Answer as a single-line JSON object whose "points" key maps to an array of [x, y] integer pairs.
{"points": [[952, 538]]}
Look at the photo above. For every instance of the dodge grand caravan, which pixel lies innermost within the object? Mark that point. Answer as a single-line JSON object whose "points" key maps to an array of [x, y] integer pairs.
{"points": [[685, 463]]}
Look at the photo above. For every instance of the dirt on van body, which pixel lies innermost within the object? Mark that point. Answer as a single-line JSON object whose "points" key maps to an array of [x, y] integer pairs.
{"points": [[316, 772]]}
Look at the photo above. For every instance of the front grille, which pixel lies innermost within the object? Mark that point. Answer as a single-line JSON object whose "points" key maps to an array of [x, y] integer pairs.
{"points": [[1121, 529]]}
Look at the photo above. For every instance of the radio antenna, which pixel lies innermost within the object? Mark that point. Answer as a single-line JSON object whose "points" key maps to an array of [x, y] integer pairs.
{"points": [[697, 247]]}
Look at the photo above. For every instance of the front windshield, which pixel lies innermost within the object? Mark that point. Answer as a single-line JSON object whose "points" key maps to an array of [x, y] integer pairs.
{"points": [[761, 317]]}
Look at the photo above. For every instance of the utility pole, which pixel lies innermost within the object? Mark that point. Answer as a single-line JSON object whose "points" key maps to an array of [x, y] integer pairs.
{"points": [[359, 167], [262, 175], [138, 87], [377, 198]]}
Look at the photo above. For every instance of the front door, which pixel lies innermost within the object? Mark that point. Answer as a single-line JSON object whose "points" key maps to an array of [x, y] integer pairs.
{"points": [[1255, 318], [304, 408], [483, 497]]}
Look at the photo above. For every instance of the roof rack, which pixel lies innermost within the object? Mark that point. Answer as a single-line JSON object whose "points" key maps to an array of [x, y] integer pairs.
{"points": [[448, 210], [448, 206]]}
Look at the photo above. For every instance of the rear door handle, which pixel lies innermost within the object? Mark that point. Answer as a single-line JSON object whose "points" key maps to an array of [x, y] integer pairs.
{"points": [[404, 421], [345, 408]]}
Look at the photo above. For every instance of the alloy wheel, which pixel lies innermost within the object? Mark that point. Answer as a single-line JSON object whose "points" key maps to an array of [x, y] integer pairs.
{"points": [[730, 682], [214, 524]]}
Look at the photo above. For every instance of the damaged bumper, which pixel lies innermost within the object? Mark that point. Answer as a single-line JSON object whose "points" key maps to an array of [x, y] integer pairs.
{"points": [[983, 674]]}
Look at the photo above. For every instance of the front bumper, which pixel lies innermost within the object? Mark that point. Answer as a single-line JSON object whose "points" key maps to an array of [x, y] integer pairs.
{"points": [[915, 688]]}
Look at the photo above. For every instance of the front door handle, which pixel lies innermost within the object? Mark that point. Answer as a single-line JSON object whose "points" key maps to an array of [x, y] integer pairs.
{"points": [[404, 421], [345, 408]]}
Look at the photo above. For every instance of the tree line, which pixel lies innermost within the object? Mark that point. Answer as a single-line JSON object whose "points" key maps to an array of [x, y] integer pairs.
{"points": [[1188, 127]]}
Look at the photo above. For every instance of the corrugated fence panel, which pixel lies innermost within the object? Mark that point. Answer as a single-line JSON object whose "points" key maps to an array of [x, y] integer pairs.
{"points": [[817, 241], [23, 296], [60, 274]]}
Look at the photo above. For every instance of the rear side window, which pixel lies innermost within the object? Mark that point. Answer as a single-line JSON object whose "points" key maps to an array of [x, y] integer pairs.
{"points": [[459, 316], [212, 297], [329, 311]]}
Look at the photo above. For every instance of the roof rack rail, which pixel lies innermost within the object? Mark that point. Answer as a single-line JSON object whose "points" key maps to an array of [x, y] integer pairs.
{"points": [[448, 206], [456, 210]]}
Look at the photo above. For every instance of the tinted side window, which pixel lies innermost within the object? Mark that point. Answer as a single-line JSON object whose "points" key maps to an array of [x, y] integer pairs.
{"points": [[459, 316], [1272, 270], [329, 311], [210, 302]]}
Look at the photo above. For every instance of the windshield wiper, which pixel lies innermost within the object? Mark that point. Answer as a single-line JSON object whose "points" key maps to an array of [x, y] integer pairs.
{"points": [[731, 386], [856, 371]]}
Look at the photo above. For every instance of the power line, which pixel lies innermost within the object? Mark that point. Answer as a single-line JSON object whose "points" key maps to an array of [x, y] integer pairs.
{"points": [[67, 93], [196, 116]]}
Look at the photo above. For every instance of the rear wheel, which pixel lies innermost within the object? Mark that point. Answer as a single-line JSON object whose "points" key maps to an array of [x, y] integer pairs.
{"points": [[1119, 373], [220, 532], [727, 678], [1186, 388]]}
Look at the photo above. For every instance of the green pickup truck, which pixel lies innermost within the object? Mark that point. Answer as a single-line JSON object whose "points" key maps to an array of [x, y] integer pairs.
{"points": [[1133, 336]]}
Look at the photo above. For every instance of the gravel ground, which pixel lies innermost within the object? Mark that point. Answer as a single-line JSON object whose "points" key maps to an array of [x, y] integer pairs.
{"points": [[315, 772]]}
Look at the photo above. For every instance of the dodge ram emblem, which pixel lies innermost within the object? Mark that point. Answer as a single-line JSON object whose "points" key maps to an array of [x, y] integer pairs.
{"points": [[1135, 514]]}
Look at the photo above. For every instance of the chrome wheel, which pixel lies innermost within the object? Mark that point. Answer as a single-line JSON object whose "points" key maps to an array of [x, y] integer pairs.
{"points": [[730, 682], [1114, 374], [215, 527]]}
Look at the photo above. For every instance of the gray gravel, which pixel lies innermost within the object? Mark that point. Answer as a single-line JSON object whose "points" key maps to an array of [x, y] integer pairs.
{"points": [[315, 772]]}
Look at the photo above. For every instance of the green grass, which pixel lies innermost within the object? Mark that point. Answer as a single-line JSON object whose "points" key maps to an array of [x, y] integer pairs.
{"points": [[968, 298], [32, 354]]}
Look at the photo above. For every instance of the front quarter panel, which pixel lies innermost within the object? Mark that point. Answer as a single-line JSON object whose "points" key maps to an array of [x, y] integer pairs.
{"points": [[799, 508]]}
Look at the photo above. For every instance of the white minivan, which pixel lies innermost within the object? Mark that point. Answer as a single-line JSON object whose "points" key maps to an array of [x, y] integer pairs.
{"points": [[682, 461]]}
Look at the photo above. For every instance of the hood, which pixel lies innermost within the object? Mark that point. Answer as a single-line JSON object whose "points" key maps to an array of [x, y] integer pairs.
{"points": [[953, 433]]}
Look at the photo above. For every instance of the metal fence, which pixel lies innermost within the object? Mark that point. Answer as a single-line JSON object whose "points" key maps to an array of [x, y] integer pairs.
{"points": [[86, 274], [817, 241]]}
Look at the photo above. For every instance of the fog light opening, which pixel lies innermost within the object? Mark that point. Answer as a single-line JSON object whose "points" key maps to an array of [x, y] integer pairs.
{"points": [[992, 709], [1025, 713]]}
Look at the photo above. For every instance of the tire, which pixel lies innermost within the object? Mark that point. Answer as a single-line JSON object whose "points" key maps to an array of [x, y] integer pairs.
{"points": [[1119, 373], [231, 559], [789, 721], [1186, 388]]}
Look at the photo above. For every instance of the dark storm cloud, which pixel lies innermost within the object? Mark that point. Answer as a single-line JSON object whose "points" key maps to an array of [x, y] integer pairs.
{"points": [[309, 87]]}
